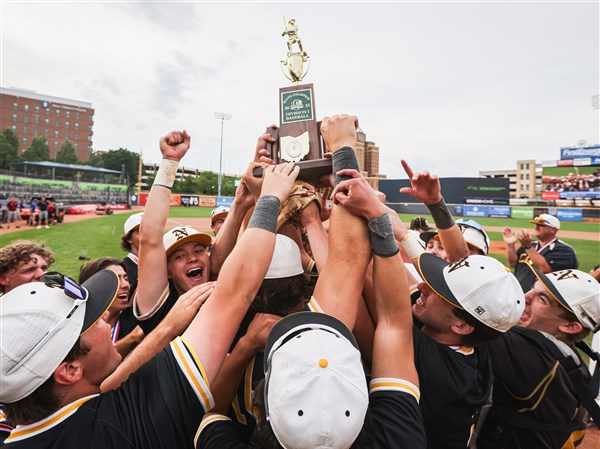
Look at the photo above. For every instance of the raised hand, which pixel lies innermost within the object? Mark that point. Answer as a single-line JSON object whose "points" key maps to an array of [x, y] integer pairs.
{"points": [[508, 237], [339, 131], [175, 144], [357, 196], [278, 180], [261, 154], [425, 187], [259, 330]]}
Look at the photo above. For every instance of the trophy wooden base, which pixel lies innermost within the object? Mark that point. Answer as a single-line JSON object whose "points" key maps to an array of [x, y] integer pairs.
{"points": [[310, 171]]}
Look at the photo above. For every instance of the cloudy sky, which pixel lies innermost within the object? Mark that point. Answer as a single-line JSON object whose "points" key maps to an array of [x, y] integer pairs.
{"points": [[453, 87]]}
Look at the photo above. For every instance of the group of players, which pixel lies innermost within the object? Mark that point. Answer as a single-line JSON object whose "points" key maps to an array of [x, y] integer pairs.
{"points": [[299, 326]]}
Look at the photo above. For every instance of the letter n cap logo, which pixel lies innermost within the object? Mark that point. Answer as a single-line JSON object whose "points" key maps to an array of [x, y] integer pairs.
{"points": [[180, 233]]}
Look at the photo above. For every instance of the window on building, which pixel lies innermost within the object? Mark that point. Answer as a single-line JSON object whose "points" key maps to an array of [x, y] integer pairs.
{"points": [[37, 109], [66, 135], [67, 114], [14, 117], [24, 141], [47, 111], [24, 130], [526, 175], [90, 138], [56, 123], [15, 106], [36, 120], [76, 136], [46, 132], [14, 128], [26, 107], [90, 128], [66, 124], [76, 125], [35, 132], [91, 117], [55, 144], [77, 116], [75, 146], [57, 111], [55, 133], [25, 119]]}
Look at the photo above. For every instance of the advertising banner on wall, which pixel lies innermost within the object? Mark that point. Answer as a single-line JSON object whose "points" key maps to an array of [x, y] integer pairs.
{"points": [[207, 201], [189, 200], [568, 214], [476, 211], [577, 152], [226, 201], [550, 195], [499, 211], [583, 195], [143, 199], [521, 212]]}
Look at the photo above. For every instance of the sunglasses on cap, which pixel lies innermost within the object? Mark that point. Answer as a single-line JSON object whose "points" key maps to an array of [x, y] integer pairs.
{"points": [[54, 279]]}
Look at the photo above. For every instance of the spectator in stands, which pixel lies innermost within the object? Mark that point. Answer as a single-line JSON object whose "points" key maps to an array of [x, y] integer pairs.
{"points": [[13, 211], [42, 205], [547, 254], [217, 218], [22, 262]]}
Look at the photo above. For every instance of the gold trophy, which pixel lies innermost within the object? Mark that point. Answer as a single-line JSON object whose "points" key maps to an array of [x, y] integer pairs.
{"points": [[298, 138]]}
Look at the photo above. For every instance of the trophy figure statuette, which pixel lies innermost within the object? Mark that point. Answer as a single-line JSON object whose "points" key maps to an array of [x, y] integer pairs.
{"points": [[298, 138]]}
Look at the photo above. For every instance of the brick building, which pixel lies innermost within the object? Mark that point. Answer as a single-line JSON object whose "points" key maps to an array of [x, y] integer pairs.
{"points": [[31, 114]]}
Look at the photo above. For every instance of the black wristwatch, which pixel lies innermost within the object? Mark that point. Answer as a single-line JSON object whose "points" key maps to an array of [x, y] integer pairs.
{"points": [[530, 245]]}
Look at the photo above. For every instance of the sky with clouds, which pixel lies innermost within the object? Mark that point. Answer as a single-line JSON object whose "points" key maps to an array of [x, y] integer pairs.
{"points": [[453, 87]]}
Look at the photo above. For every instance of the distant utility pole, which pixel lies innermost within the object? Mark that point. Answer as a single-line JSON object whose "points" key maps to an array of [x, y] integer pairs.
{"points": [[221, 116]]}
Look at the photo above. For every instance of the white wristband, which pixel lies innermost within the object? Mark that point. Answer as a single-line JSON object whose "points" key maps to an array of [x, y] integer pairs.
{"points": [[167, 171], [412, 247]]}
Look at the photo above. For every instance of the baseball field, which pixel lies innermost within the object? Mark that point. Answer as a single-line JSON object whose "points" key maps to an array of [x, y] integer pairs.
{"points": [[92, 236]]}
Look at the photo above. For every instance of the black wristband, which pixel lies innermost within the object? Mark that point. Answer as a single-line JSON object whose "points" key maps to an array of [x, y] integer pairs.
{"points": [[383, 242], [441, 215], [344, 158], [265, 214]]}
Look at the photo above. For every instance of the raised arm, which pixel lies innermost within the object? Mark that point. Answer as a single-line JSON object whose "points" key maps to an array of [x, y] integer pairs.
{"points": [[511, 252], [213, 329], [540, 262], [425, 187], [153, 277]]}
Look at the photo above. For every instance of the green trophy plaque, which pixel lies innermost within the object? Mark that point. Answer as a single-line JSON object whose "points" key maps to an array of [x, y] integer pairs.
{"points": [[298, 138]]}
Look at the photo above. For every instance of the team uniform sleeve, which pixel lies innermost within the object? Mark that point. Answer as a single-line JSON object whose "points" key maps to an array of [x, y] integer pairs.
{"points": [[395, 414], [562, 257], [218, 432], [153, 317]]}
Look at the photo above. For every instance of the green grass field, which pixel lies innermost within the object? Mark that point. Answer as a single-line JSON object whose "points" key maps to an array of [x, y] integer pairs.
{"points": [[101, 237]]}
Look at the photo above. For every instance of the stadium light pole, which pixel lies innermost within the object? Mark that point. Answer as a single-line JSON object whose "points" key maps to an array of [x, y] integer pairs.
{"points": [[221, 116]]}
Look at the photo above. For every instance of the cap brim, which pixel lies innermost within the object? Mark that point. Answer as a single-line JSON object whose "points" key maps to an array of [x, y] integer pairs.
{"points": [[431, 269], [218, 216], [428, 235], [550, 287], [201, 238], [304, 321], [102, 290]]}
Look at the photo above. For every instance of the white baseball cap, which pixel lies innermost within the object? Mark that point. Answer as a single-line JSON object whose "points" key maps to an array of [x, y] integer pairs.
{"points": [[41, 321], [219, 212], [316, 393], [182, 234], [133, 222], [474, 235], [546, 220], [286, 261], [576, 291], [478, 284]]}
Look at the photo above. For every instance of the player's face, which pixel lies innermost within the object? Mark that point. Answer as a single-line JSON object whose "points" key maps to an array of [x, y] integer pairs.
{"points": [[434, 312], [541, 312], [436, 248], [122, 300], [188, 266], [103, 357], [25, 272], [216, 226], [134, 239]]}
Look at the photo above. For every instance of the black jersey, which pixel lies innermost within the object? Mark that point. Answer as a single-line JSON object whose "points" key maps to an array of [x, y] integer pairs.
{"points": [[395, 420], [159, 406], [558, 254], [167, 300], [529, 381], [455, 383]]}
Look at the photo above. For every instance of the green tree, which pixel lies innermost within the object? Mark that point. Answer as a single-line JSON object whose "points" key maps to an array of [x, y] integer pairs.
{"points": [[38, 151], [123, 158], [208, 183], [95, 160], [8, 152], [188, 185], [11, 138], [66, 154]]}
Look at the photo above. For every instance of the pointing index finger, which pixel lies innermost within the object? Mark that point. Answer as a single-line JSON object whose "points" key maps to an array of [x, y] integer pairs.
{"points": [[407, 169]]}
